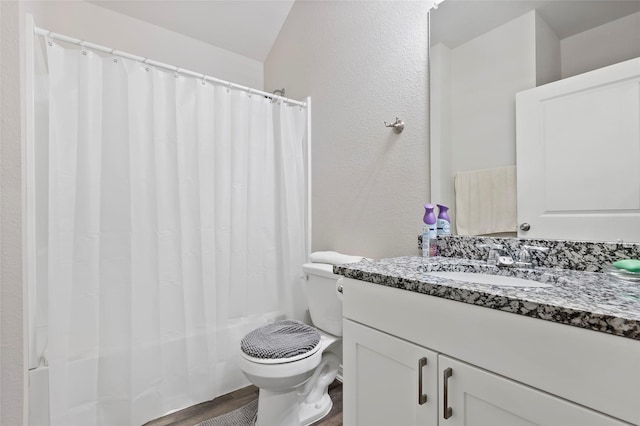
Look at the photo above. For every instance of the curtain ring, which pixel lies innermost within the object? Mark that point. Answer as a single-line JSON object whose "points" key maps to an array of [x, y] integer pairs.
{"points": [[229, 87], [175, 75], [49, 42], [84, 50], [146, 64], [113, 53], [250, 90], [204, 80]]}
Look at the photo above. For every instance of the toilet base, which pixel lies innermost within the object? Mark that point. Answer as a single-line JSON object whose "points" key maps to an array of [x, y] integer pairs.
{"points": [[304, 404], [277, 408], [310, 413], [284, 409]]}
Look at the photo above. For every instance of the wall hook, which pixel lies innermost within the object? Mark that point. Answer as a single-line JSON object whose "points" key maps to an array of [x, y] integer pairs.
{"points": [[398, 125]]}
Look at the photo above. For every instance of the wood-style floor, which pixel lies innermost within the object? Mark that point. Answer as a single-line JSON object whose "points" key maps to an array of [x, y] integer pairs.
{"points": [[231, 401]]}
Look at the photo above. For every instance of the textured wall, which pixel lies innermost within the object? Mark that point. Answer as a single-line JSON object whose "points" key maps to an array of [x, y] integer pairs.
{"points": [[484, 113], [12, 355], [103, 26], [362, 63]]}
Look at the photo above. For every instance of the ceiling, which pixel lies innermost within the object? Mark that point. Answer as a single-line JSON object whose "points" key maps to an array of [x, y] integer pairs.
{"points": [[250, 27], [246, 27], [457, 21]]}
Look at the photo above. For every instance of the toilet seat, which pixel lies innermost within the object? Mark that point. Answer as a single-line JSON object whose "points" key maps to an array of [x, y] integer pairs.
{"points": [[268, 361], [288, 368], [280, 342]]}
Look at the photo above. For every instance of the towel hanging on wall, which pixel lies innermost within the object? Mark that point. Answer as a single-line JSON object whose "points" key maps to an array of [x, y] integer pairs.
{"points": [[486, 201]]}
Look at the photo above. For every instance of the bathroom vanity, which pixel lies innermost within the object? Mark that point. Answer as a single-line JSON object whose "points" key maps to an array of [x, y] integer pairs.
{"points": [[425, 350]]}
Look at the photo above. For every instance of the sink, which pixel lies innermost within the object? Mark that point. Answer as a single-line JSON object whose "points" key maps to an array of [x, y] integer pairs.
{"points": [[480, 278]]}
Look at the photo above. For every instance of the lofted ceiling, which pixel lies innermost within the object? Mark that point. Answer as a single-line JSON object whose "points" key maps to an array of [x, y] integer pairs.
{"points": [[250, 27], [246, 27], [457, 21]]}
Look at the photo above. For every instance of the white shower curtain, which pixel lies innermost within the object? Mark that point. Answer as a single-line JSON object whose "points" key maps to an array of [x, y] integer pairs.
{"points": [[176, 224]]}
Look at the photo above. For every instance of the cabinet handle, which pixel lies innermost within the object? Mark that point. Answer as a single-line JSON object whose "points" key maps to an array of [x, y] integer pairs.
{"points": [[447, 410], [422, 397]]}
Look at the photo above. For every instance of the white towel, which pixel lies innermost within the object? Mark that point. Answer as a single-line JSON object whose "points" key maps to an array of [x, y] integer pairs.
{"points": [[486, 201], [333, 258]]}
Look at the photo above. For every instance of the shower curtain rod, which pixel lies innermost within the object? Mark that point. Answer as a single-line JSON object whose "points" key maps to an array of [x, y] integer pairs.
{"points": [[178, 70]]}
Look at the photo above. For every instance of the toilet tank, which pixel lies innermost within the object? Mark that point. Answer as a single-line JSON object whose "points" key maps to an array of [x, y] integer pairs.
{"points": [[325, 307]]}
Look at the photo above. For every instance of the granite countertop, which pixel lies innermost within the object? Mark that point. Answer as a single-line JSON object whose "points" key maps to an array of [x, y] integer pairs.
{"points": [[591, 300]]}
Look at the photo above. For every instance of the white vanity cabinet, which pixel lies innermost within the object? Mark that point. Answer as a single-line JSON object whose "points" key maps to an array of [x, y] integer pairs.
{"points": [[505, 369], [391, 381], [477, 397]]}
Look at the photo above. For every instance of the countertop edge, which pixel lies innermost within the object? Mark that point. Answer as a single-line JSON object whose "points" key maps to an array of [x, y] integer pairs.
{"points": [[609, 324]]}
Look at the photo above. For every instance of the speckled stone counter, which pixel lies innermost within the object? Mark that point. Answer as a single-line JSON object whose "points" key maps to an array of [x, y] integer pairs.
{"points": [[589, 256], [591, 300]]}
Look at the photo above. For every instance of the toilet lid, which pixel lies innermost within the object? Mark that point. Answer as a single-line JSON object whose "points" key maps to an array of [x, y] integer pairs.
{"points": [[280, 340]]}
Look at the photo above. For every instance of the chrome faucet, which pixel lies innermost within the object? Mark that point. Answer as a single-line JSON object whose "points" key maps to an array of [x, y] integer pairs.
{"points": [[524, 257], [498, 255]]}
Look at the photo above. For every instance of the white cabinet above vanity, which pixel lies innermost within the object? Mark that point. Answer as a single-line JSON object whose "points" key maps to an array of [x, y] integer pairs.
{"points": [[425, 350]]}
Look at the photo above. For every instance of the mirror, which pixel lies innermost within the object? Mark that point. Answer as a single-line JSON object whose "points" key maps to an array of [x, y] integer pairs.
{"points": [[484, 52]]}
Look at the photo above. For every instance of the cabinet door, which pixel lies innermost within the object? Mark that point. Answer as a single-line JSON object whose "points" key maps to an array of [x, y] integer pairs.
{"points": [[382, 377], [578, 144], [476, 397]]}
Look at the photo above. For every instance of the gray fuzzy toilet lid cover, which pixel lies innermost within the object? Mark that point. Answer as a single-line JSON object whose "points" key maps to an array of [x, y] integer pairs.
{"points": [[282, 339]]}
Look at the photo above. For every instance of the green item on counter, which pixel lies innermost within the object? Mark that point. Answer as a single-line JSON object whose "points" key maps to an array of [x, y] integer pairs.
{"points": [[630, 265]]}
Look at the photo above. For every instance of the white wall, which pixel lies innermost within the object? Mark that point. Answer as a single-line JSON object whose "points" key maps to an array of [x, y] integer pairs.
{"points": [[362, 63], [93, 23], [548, 62], [13, 386], [486, 72], [605, 45]]}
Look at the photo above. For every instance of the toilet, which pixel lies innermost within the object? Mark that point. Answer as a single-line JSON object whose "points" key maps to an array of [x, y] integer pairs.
{"points": [[292, 363]]}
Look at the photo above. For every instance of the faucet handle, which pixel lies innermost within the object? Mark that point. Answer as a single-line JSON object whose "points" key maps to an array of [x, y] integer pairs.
{"points": [[524, 257], [495, 250]]}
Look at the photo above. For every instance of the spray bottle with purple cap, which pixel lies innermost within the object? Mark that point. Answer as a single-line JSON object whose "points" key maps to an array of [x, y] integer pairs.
{"points": [[429, 232], [444, 222]]}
